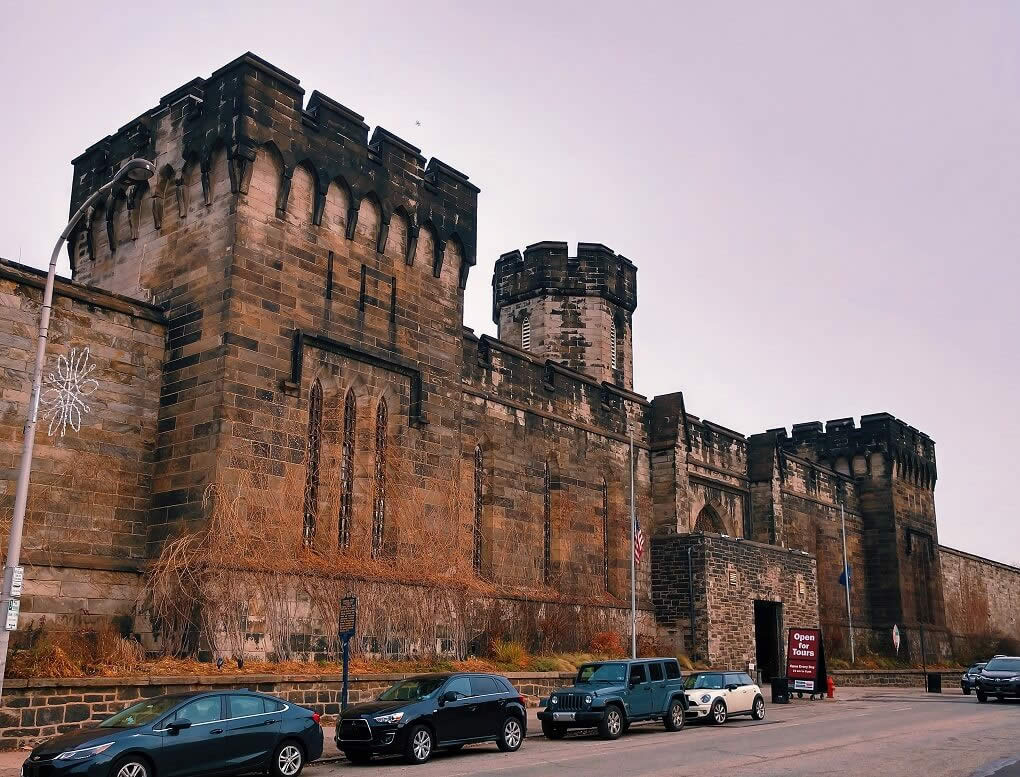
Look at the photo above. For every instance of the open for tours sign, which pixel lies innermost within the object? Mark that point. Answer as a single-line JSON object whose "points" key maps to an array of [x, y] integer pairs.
{"points": [[805, 660]]}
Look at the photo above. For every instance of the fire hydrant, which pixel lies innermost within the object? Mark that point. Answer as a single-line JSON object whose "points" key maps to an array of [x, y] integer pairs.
{"points": [[831, 686]]}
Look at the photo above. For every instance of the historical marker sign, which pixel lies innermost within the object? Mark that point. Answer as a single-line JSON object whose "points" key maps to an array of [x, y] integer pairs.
{"points": [[348, 616], [805, 660]]}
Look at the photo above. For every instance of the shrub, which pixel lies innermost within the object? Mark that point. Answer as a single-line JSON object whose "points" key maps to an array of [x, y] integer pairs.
{"points": [[83, 649], [608, 644], [508, 652]]}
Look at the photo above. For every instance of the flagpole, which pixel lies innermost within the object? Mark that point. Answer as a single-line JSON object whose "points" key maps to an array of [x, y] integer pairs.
{"points": [[633, 547], [846, 574]]}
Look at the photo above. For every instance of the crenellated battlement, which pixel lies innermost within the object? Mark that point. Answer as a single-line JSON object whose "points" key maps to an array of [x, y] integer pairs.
{"points": [[248, 105], [837, 442], [546, 268]]}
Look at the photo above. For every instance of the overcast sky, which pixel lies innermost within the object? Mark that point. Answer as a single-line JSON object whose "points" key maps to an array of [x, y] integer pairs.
{"points": [[822, 199]]}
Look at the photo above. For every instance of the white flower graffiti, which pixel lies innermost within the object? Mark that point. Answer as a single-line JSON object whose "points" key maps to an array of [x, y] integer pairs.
{"points": [[66, 390]]}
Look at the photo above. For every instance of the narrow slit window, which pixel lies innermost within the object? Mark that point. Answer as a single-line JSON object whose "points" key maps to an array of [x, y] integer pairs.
{"points": [[476, 549], [313, 449], [605, 535], [347, 470], [612, 345], [526, 333], [379, 506], [547, 527]]}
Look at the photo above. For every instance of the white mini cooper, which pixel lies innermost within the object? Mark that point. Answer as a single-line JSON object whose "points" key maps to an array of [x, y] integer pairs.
{"points": [[719, 695]]}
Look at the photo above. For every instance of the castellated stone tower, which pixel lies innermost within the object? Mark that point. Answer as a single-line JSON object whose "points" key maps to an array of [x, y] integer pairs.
{"points": [[574, 309]]}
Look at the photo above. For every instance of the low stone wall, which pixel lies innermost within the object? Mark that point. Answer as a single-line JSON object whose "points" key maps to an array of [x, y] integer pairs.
{"points": [[34, 709], [894, 678]]}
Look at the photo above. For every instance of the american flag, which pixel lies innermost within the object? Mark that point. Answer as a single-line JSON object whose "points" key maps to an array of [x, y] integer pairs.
{"points": [[639, 542]]}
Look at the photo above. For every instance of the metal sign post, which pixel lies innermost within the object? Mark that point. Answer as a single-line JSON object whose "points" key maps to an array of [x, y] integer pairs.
{"points": [[347, 625]]}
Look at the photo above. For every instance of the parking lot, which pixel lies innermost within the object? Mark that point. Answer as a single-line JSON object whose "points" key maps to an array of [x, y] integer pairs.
{"points": [[864, 732]]}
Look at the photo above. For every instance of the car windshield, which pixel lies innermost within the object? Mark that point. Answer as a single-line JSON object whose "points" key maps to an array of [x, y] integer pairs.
{"points": [[144, 712], [1003, 665], [413, 689], [976, 668], [602, 673], [710, 681]]}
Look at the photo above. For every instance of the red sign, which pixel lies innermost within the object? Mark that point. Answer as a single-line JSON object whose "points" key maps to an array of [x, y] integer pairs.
{"points": [[802, 654]]}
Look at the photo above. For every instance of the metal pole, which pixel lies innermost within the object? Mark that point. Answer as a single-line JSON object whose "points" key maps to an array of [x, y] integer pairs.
{"points": [[633, 571], [347, 662], [846, 572], [28, 443]]}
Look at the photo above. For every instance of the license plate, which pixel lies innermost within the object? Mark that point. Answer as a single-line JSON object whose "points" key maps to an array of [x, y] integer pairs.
{"points": [[564, 716]]}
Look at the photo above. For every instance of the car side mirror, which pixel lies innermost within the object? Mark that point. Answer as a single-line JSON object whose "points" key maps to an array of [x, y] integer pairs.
{"points": [[176, 726], [732, 687], [447, 697]]}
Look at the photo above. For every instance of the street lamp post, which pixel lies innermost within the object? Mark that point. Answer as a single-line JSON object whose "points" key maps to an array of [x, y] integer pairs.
{"points": [[133, 171]]}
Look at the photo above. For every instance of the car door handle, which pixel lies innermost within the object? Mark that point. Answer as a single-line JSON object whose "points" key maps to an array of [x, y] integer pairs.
{"points": [[216, 731], [473, 707], [270, 722]]}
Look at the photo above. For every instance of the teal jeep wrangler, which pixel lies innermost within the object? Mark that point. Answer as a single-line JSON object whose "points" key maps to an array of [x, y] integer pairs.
{"points": [[610, 695]]}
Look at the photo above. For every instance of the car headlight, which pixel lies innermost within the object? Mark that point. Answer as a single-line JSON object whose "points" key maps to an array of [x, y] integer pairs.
{"points": [[587, 699], [1015, 678], [553, 700], [85, 752], [705, 698], [393, 717]]}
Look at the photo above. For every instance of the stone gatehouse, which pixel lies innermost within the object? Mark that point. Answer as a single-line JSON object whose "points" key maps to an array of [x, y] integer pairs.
{"points": [[288, 293]]}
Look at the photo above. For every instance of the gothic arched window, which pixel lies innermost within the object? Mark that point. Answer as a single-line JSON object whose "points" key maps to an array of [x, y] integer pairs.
{"points": [[314, 446], [476, 548], [347, 470], [526, 333], [612, 345], [709, 521], [379, 506], [547, 527], [605, 534]]}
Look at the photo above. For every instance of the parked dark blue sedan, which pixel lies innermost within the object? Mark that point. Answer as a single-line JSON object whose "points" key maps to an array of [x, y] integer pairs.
{"points": [[187, 734]]}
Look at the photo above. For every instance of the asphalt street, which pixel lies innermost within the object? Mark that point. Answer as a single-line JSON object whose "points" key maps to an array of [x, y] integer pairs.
{"points": [[871, 733]]}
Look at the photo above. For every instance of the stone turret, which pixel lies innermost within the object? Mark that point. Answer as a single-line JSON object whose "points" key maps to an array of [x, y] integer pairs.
{"points": [[573, 309]]}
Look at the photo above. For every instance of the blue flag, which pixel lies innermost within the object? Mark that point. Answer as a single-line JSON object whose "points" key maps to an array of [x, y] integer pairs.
{"points": [[844, 578]]}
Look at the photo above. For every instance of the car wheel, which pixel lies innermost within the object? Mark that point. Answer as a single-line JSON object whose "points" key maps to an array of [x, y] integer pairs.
{"points": [[611, 725], [288, 760], [758, 710], [966, 691], [511, 735], [982, 697], [718, 712], [674, 718], [553, 731], [419, 745], [131, 767], [358, 756]]}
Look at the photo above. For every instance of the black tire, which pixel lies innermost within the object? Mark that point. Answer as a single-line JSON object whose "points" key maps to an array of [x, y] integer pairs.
{"points": [[611, 725], [511, 735], [131, 766], [718, 713], [675, 717], [288, 759], [420, 744], [966, 691], [358, 756], [758, 708], [553, 730], [982, 696]]}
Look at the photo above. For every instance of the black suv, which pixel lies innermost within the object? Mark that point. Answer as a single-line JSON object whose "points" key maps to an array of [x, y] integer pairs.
{"points": [[435, 711], [999, 678]]}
